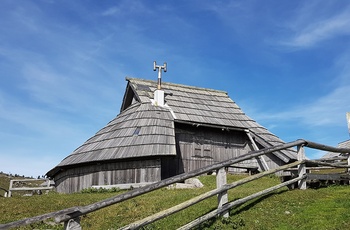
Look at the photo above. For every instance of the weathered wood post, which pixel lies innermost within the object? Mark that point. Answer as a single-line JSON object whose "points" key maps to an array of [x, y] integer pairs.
{"points": [[301, 167], [72, 224], [221, 180], [10, 188], [348, 162]]}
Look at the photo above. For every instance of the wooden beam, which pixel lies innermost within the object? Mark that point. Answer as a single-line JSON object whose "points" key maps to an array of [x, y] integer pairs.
{"points": [[31, 188], [301, 167], [221, 180], [318, 146], [10, 187], [335, 176], [328, 164], [331, 159], [255, 146]]}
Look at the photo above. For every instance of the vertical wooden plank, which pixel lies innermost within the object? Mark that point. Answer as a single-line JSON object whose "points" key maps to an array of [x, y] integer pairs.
{"points": [[261, 158], [222, 197], [301, 167], [349, 160], [10, 193]]}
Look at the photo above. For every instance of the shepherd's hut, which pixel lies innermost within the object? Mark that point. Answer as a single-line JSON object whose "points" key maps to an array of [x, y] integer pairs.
{"points": [[165, 129]]}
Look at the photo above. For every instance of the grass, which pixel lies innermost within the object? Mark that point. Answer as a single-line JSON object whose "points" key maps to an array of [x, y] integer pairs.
{"points": [[323, 208]]}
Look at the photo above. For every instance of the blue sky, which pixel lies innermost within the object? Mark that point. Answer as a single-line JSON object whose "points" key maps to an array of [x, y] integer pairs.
{"points": [[63, 67]]}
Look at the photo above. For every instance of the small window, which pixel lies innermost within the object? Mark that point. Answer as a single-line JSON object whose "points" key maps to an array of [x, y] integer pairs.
{"points": [[137, 131]]}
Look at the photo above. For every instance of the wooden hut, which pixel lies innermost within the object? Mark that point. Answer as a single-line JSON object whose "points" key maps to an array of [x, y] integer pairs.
{"points": [[163, 132]]}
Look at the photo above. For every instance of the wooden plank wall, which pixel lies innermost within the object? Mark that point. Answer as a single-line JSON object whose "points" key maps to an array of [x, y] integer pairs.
{"points": [[76, 179], [201, 146]]}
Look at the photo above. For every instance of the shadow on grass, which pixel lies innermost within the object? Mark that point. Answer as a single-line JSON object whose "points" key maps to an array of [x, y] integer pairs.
{"points": [[212, 223], [245, 207]]}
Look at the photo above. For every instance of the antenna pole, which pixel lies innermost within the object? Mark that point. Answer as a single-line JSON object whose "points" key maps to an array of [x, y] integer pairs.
{"points": [[155, 67], [348, 121]]}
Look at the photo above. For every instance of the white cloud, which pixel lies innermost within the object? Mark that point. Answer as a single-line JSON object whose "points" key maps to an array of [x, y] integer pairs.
{"points": [[328, 110], [127, 7], [312, 26]]}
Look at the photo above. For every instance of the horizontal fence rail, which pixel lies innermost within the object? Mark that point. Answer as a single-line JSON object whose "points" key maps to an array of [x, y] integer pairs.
{"points": [[73, 214]]}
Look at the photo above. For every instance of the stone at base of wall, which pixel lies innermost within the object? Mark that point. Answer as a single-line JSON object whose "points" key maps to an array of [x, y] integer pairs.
{"points": [[122, 186], [189, 184]]}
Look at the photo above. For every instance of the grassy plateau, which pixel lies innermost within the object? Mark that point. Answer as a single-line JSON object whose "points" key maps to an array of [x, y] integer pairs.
{"points": [[321, 208]]}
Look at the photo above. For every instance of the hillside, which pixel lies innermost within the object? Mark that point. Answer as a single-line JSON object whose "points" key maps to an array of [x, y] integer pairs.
{"points": [[322, 208], [5, 182]]}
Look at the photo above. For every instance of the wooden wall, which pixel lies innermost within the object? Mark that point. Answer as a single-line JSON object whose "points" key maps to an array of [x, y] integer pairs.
{"points": [[77, 178], [201, 146]]}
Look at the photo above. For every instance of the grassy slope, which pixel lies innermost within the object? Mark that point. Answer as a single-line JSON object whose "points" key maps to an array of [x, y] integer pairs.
{"points": [[4, 183], [325, 208]]}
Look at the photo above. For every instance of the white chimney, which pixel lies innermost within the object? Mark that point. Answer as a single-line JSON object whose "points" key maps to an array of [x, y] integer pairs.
{"points": [[159, 97]]}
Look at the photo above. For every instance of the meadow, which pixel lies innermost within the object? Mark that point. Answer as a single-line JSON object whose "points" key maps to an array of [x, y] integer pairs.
{"points": [[317, 208]]}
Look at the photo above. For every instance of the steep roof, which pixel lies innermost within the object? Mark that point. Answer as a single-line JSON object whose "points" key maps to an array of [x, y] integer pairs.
{"points": [[140, 130], [202, 106], [144, 130]]}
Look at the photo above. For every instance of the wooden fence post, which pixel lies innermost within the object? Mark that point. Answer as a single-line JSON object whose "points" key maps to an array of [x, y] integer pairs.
{"points": [[348, 162], [72, 224], [301, 167], [221, 180], [10, 187]]}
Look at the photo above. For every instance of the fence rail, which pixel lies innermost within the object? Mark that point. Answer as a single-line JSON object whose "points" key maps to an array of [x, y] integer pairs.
{"points": [[12, 188], [71, 216]]}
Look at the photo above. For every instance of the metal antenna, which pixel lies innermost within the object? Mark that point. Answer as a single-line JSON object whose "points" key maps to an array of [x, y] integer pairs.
{"points": [[164, 67], [348, 120]]}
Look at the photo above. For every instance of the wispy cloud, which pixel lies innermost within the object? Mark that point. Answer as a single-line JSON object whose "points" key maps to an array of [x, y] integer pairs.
{"points": [[126, 8], [326, 111], [310, 27]]}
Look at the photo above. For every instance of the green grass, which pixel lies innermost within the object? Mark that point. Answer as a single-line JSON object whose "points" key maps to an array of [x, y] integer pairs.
{"points": [[4, 183], [324, 208]]}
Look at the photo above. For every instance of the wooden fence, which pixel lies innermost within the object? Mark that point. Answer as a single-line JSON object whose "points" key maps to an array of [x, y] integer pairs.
{"points": [[71, 216], [13, 188]]}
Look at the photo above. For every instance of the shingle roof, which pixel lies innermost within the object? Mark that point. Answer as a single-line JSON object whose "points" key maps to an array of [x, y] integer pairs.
{"points": [[140, 130], [144, 130], [207, 106]]}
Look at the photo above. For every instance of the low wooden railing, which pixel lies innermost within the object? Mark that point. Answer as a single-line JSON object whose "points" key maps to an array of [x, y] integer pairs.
{"points": [[71, 216], [12, 188]]}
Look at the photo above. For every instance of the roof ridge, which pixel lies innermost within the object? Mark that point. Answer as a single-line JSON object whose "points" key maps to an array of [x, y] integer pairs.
{"points": [[178, 85]]}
